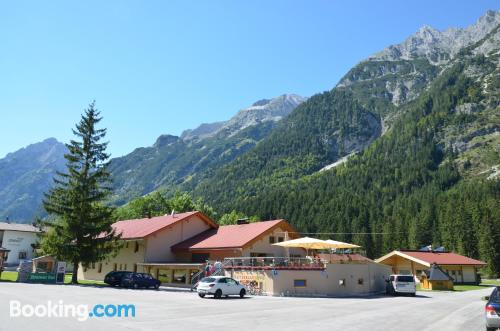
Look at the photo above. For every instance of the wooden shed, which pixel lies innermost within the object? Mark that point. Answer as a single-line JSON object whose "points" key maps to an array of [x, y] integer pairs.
{"points": [[436, 279]]}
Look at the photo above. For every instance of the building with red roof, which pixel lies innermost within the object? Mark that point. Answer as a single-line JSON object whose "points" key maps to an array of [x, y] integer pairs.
{"points": [[175, 247], [461, 268]]}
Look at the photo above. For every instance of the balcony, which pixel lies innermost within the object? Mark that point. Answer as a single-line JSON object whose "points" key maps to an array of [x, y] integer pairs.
{"points": [[273, 263]]}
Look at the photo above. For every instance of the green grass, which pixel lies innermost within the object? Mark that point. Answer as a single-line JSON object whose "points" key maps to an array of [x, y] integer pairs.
{"points": [[67, 280], [491, 282], [10, 276], [462, 288]]}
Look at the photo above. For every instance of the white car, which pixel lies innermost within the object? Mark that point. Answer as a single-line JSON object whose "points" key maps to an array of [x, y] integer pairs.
{"points": [[219, 286], [401, 284]]}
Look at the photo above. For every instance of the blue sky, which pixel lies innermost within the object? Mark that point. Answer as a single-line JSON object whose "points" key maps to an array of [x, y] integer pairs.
{"points": [[158, 67]]}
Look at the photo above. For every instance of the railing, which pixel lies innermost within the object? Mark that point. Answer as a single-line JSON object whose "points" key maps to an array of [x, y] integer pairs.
{"points": [[273, 263], [200, 274]]}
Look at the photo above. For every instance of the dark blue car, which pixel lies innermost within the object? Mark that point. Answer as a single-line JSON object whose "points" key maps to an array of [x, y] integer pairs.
{"points": [[492, 310], [140, 280]]}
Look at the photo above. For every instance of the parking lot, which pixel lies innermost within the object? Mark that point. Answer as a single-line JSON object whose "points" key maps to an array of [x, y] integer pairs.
{"points": [[180, 310]]}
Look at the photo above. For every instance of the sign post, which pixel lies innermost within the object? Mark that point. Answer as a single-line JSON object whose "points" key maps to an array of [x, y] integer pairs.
{"points": [[60, 272]]}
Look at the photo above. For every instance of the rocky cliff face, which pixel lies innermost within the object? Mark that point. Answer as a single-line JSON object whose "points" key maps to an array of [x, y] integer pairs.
{"points": [[264, 110], [25, 175], [439, 46]]}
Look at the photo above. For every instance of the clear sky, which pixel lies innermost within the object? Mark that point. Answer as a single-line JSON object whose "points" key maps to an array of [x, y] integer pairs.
{"points": [[158, 67]]}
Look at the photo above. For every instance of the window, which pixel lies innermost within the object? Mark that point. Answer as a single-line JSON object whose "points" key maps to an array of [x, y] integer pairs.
{"points": [[125, 266], [341, 282], [99, 268], [136, 248], [180, 276], [231, 281], [164, 276], [93, 265], [281, 239], [22, 255], [115, 266], [222, 281], [299, 283], [272, 240], [360, 281]]}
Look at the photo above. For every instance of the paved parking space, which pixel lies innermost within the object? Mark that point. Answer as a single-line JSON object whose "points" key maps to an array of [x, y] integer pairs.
{"points": [[174, 310]]}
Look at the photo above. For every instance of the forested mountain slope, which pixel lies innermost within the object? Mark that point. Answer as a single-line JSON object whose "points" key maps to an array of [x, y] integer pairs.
{"points": [[431, 178], [25, 175], [173, 160]]}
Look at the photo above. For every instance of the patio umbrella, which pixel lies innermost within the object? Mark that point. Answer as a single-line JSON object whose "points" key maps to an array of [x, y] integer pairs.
{"points": [[306, 243], [340, 244]]}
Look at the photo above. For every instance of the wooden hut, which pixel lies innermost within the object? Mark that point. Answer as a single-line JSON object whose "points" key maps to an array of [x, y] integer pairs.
{"points": [[436, 279]]}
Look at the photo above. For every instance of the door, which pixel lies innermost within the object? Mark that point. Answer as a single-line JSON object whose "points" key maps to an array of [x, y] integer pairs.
{"points": [[232, 286]]}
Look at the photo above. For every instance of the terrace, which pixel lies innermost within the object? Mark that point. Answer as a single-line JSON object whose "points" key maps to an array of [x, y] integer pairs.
{"points": [[273, 263]]}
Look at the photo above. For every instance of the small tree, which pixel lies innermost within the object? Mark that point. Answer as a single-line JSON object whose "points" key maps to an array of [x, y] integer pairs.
{"points": [[81, 229]]}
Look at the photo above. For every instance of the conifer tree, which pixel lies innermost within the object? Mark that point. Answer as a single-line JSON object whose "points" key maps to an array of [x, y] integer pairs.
{"points": [[80, 231]]}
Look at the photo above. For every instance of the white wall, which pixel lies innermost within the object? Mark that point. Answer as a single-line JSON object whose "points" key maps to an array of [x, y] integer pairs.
{"points": [[16, 242]]}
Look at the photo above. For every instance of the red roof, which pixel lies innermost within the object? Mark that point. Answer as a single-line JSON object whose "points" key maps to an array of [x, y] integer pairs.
{"points": [[140, 228], [228, 236], [442, 258]]}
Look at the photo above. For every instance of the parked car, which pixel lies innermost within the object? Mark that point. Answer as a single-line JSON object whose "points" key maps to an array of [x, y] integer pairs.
{"points": [[219, 286], [114, 278], [401, 284], [139, 280], [492, 310]]}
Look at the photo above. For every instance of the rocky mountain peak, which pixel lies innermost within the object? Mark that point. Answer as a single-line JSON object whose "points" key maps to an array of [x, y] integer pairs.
{"points": [[439, 46], [263, 110]]}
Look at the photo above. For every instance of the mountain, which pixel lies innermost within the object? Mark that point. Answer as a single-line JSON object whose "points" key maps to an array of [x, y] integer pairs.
{"points": [[265, 110], [173, 160], [25, 175], [425, 134]]}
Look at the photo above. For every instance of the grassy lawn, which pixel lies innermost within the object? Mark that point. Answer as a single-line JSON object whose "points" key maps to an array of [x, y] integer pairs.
{"points": [[11, 276], [461, 288], [67, 280], [491, 282]]}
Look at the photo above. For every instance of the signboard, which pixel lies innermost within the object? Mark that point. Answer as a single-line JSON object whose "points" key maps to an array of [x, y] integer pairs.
{"points": [[60, 271], [41, 277]]}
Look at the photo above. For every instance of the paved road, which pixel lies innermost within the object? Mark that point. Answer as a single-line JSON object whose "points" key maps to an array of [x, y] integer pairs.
{"points": [[168, 310]]}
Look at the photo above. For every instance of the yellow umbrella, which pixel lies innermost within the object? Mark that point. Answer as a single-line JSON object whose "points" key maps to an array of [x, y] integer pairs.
{"points": [[340, 244], [307, 243]]}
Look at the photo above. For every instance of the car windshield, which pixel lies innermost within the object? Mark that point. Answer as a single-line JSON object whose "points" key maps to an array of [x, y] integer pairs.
{"points": [[208, 280], [408, 279], [495, 296]]}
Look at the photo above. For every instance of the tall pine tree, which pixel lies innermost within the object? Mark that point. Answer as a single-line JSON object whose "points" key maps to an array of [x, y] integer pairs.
{"points": [[80, 230]]}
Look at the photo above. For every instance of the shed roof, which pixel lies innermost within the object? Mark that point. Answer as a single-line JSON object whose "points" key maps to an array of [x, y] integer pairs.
{"points": [[429, 257], [230, 236], [436, 273], [143, 227], [4, 226]]}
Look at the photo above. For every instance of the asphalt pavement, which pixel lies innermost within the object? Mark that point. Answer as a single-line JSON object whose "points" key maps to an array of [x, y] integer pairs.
{"points": [[179, 310]]}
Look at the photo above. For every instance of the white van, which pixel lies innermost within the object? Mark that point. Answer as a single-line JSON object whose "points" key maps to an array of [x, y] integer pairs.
{"points": [[401, 284]]}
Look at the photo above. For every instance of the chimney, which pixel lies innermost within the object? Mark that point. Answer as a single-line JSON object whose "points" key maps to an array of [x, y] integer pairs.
{"points": [[242, 221]]}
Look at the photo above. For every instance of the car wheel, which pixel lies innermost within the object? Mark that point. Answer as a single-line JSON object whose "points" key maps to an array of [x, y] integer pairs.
{"points": [[242, 293], [218, 294], [157, 286], [136, 286], [201, 295]]}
